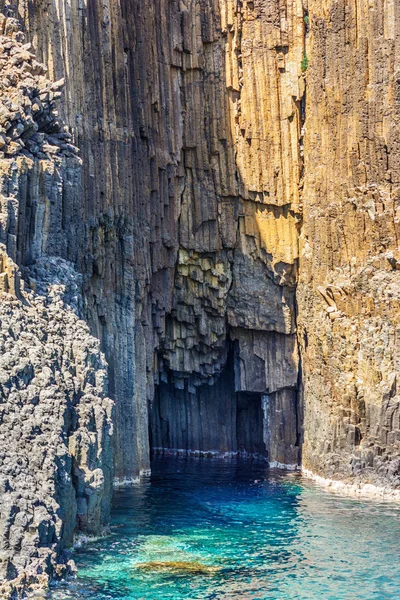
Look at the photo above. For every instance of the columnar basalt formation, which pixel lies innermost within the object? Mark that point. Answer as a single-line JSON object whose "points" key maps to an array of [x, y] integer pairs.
{"points": [[188, 116], [230, 227], [349, 288], [55, 417]]}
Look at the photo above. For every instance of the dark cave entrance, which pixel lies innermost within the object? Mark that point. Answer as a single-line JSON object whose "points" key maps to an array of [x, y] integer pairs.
{"points": [[207, 418], [250, 423]]}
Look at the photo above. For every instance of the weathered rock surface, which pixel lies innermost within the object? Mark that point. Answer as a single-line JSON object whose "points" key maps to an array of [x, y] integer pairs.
{"points": [[233, 213], [188, 117], [55, 429], [349, 287], [55, 417]]}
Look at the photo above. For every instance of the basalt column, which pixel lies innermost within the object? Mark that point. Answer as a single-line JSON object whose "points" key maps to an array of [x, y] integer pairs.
{"points": [[188, 116], [213, 202], [56, 421], [349, 285]]}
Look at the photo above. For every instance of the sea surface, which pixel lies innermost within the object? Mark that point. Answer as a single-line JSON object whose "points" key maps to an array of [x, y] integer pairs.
{"points": [[222, 529]]}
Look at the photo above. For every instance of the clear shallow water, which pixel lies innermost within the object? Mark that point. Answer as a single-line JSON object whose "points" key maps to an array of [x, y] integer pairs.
{"points": [[247, 533]]}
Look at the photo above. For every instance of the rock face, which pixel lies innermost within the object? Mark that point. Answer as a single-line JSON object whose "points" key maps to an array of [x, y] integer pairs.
{"points": [[55, 430], [230, 228], [55, 417], [188, 117], [349, 287]]}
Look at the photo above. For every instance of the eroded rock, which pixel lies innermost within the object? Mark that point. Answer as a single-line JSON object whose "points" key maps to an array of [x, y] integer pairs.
{"points": [[55, 429]]}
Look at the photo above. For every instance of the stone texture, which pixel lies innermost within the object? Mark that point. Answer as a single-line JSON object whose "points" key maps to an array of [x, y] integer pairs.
{"points": [[188, 117], [55, 417], [55, 430], [349, 287], [233, 213]]}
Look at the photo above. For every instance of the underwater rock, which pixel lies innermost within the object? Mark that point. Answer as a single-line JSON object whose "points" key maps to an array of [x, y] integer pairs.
{"points": [[178, 567]]}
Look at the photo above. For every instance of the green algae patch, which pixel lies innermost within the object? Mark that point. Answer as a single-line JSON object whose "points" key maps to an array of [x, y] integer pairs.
{"points": [[178, 566]]}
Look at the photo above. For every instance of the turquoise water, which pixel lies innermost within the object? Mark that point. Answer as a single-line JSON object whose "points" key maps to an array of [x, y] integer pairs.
{"points": [[238, 531]]}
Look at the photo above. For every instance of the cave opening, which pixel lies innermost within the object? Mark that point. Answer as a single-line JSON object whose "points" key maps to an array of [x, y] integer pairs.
{"points": [[208, 418], [250, 424]]}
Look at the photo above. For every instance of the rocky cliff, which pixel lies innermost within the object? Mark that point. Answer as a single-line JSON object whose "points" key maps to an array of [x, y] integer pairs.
{"points": [[229, 227], [188, 117], [349, 285], [55, 417]]}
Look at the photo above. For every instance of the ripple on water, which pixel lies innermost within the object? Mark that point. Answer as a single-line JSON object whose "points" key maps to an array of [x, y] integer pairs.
{"points": [[214, 529]]}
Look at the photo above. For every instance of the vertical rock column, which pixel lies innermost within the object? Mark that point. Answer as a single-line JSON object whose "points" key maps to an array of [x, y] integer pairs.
{"points": [[55, 416], [349, 285], [188, 118], [235, 279]]}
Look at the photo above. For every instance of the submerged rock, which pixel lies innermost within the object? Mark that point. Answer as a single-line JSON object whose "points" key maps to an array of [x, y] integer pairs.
{"points": [[179, 566]]}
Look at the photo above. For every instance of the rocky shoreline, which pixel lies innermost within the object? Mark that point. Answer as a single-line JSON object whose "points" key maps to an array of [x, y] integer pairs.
{"points": [[55, 430], [56, 419], [359, 489]]}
